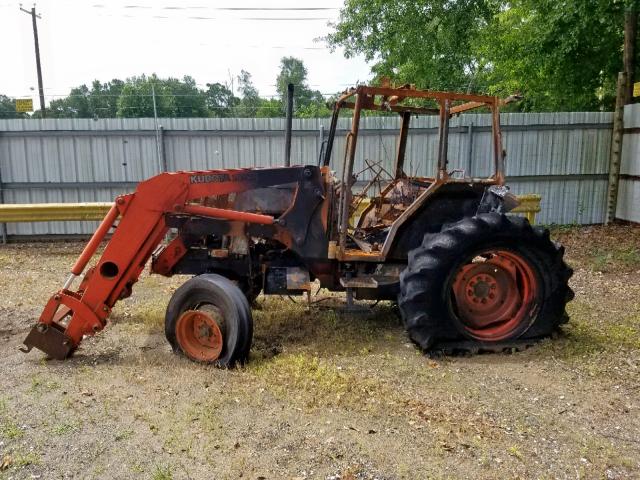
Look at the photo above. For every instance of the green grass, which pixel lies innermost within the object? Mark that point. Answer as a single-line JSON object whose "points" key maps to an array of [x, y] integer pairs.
{"points": [[590, 334], [162, 473], [21, 460], [207, 415], [123, 435], [615, 258], [314, 381], [9, 429], [514, 452], [65, 428]]}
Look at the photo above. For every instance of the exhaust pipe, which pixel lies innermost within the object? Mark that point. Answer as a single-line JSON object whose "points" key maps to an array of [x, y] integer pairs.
{"points": [[287, 133]]}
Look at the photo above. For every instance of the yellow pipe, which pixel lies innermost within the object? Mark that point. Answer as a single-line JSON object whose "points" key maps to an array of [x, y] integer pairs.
{"points": [[48, 212], [529, 205]]}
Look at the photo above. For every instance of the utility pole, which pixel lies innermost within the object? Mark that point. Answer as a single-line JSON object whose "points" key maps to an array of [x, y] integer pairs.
{"points": [[630, 32], [34, 15]]}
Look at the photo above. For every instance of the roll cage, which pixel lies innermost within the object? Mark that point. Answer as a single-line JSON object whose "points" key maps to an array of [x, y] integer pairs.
{"points": [[407, 101]]}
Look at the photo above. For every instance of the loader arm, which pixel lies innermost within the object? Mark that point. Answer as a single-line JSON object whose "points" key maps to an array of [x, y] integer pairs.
{"points": [[69, 314]]}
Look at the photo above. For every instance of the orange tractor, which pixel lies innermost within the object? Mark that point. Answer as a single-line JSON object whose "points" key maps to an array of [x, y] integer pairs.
{"points": [[464, 274]]}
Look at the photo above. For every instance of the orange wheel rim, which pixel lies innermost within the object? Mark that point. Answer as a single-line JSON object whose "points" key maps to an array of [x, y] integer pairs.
{"points": [[199, 335], [494, 295]]}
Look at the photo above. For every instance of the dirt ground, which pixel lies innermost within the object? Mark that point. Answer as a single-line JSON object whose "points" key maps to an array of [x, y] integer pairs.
{"points": [[324, 395]]}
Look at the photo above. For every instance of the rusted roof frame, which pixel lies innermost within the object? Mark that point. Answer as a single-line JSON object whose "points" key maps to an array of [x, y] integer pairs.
{"points": [[472, 101]]}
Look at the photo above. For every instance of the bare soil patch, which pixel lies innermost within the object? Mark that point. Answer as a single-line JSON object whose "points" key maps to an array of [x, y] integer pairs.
{"points": [[325, 395]]}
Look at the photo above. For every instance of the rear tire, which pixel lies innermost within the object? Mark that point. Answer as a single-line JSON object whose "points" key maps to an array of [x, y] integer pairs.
{"points": [[488, 281], [213, 298]]}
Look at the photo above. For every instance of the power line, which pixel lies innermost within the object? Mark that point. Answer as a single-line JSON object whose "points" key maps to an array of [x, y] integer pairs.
{"points": [[226, 19], [229, 9], [279, 9]]}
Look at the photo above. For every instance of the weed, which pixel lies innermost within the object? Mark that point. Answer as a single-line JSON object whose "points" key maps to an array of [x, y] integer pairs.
{"points": [[10, 430], [99, 470], [22, 460], [315, 382], [65, 428], [36, 383], [514, 452], [123, 435], [614, 258], [162, 473], [586, 337], [206, 415]]}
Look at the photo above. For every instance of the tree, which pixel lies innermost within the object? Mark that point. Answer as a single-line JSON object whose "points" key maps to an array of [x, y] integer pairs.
{"points": [[188, 99], [560, 55], [269, 108], [136, 99], [426, 42], [174, 98], [292, 70], [8, 108], [75, 105], [315, 110], [250, 99], [103, 99], [220, 100], [98, 102]]}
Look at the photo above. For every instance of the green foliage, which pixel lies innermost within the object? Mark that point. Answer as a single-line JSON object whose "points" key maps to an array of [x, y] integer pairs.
{"points": [[8, 108], [292, 70], [269, 108], [560, 55], [426, 42], [250, 100], [173, 97], [162, 473], [220, 100], [98, 102], [181, 98], [314, 110]]}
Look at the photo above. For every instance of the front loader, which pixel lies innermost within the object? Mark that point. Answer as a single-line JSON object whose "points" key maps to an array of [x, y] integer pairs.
{"points": [[465, 275]]}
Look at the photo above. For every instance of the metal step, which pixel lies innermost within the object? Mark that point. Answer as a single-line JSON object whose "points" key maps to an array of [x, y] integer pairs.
{"points": [[359, 282]]}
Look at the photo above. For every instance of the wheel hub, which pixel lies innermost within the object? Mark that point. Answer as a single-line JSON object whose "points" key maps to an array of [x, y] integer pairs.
{"points": [[493, 294], [199, 335]]}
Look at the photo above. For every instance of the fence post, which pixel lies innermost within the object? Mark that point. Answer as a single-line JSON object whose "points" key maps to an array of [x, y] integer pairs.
{"points": [[3, 226], [616, 149]]}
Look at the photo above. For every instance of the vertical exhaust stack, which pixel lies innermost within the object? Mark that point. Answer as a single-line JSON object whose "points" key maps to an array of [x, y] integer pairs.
{"points": [[287, 133]]}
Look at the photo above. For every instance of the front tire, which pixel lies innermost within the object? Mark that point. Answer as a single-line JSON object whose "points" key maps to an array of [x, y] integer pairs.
{"points": [[487, 281], [208, 320]]}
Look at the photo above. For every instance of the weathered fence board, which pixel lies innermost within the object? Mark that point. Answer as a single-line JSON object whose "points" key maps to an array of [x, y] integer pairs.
{"points": [[628, 207]]}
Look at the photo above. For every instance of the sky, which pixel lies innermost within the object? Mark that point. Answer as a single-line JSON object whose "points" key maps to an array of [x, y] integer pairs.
{"points": [[209, 40]]}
